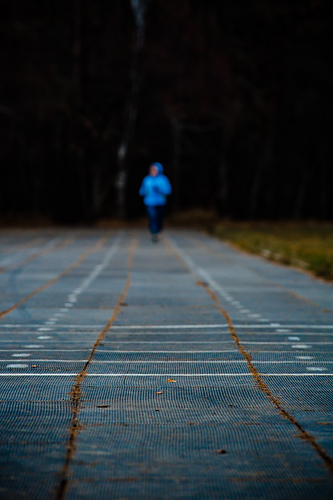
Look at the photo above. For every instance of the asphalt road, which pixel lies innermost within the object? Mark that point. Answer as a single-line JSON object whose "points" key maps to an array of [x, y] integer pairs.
{"points": [[178, 370]]}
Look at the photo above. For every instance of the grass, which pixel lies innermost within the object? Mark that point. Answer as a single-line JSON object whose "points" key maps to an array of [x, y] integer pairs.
{"points": [[307, 245], [195, 218]]}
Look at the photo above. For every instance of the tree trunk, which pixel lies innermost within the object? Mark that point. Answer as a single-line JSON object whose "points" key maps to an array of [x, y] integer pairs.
{"points": [[176, 136], [78, 142], [299, 201], [139, 7]]}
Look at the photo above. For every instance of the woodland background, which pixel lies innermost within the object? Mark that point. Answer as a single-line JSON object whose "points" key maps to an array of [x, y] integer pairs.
{"points": [[233, 97]]}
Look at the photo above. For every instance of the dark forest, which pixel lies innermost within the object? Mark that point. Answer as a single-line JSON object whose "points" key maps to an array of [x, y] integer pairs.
{"points": [[234, 98]]}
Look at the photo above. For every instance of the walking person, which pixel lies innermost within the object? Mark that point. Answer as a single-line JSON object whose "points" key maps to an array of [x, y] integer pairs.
{"points": [[155, 188]]}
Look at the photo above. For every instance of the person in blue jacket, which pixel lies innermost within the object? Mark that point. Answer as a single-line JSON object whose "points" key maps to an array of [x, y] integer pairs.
{"points": [[155, 188]]}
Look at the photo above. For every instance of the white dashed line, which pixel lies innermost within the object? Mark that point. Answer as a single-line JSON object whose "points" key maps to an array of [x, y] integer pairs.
{"points": [[301, 346], [131, 375], [315, 369], [17, 366], [170, 361]]}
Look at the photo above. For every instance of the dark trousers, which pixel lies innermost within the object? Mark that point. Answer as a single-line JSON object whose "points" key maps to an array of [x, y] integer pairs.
{"points": [[155, 216]]}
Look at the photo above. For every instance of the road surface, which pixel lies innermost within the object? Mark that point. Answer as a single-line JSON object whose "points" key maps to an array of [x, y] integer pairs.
{"points": [[179, 370]]}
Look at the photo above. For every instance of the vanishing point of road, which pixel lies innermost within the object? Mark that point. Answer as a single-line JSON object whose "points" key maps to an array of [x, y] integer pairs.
{"points": [[179, 370]]}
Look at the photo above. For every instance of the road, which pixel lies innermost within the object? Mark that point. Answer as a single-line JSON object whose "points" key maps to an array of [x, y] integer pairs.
{"points": [[179, 370]]}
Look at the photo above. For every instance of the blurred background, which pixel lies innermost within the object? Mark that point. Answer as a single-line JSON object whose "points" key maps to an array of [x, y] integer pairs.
{"points": [[233, 97]]}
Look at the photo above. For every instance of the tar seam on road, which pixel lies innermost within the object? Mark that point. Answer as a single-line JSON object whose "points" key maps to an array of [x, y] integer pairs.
{"points": [[36, 255], [255, 374], [76, 391], [98, 245]]}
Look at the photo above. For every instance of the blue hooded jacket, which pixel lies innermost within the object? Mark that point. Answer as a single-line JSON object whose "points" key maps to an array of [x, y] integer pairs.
{"points": [[155, 189]]}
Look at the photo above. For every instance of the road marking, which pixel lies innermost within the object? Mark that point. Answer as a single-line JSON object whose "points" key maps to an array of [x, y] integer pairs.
{"points": [[315, 369], [224, 325], [295, 346], [21, 355], [17, 365], [32, 326], [76, 390], [4, 335], [74, 265], [165, 342], [120, 352], [167, 327], [158, 361], [294, 338], [124, 333], [133, 342], [97, 270], [125, 375], [111, 338], [33, 254], [213, 289]]}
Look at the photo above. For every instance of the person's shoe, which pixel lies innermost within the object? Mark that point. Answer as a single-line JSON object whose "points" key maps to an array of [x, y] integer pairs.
{"points": [[154, 238]]}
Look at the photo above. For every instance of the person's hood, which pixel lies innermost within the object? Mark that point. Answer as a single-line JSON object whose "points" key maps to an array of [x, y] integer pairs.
{"points": [[159, 167]]}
